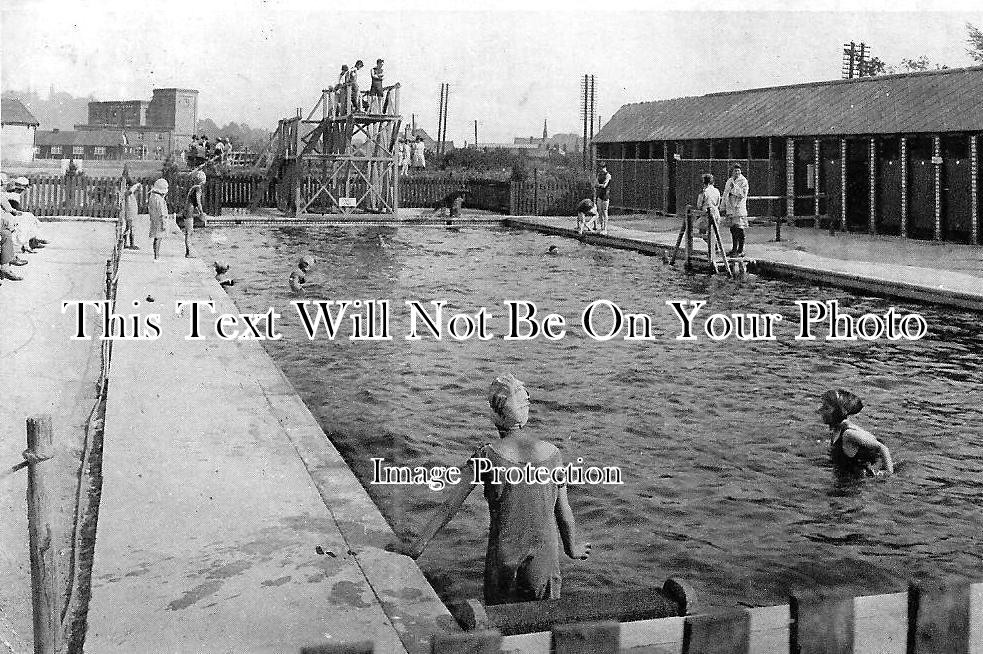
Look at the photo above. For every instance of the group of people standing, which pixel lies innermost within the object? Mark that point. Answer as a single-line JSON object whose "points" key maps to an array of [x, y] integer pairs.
{"points": [[595, 211], [592, 213], [192, 209], [201, 150], [348, 79], [411, 154], [732, 205]]}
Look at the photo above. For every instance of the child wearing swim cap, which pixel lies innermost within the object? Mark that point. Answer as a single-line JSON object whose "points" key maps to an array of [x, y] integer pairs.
{"points": [[852, 448]]}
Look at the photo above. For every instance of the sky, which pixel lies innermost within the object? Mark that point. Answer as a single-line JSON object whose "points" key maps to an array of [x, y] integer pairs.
{"points": [[511, 68]]}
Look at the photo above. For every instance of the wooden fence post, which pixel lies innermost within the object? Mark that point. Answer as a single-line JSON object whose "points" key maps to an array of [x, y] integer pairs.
{"points": [[939, 618], [587, 638], [821, 623], [474, 642], [43, 575], [719, 632]]}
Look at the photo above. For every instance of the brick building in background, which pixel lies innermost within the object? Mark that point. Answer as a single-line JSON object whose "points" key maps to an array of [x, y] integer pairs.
{"points": [[128, 129]]}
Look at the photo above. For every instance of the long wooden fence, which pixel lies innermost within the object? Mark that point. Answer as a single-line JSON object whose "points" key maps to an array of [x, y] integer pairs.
{"points": [[99, 196], [65, 195]]}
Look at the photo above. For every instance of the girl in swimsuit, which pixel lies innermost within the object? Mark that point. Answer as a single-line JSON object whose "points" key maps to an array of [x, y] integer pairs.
{"points": [[528, 521], [853, 449]]}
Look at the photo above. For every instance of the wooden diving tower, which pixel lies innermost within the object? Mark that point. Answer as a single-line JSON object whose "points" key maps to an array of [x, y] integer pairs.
{"points": [[344, 161]]}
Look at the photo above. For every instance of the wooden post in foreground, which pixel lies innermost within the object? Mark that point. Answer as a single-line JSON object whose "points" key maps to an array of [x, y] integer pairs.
{"points": [[43, 577]]}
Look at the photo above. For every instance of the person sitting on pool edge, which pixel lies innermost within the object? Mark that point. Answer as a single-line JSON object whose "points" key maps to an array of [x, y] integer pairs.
{"points": [[527, 521], [586, 213], [853, 449]]}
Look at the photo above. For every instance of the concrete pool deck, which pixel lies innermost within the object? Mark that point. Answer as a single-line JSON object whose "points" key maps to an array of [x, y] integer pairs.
{"points": [[228, 521], [43, 371], [926, 271]]}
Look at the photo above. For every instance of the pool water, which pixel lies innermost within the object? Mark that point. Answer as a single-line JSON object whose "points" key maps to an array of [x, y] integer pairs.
{"points": [[727, 480]]}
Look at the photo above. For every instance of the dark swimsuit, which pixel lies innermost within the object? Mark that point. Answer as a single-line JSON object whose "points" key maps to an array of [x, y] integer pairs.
{"points": [[862, 463], [523, 559]]}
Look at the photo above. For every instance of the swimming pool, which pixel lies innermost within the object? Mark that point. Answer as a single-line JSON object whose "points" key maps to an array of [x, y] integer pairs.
{"points": [[726, 475]]}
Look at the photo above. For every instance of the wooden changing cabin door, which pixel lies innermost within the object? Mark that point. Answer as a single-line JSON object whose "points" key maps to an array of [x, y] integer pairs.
{"points": [[956, 188], [889, 197], [830, 151], [921, 188]]}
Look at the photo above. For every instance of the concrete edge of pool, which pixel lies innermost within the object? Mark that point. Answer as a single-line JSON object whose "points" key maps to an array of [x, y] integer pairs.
{"points": [[228, 521]]}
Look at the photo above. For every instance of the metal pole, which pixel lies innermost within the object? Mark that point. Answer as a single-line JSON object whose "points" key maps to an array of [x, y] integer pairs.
{"points": [[585, 146], [476, 135], [593, 100], [440, 115], [443, 137]]}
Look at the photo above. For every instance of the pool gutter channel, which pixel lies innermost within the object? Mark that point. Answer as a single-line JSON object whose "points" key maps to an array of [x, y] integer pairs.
{"points": [[628, 240]]}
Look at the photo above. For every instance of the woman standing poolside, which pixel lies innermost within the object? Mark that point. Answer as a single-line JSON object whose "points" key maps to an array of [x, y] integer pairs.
{"points": [[853, 449], [528, 520]]}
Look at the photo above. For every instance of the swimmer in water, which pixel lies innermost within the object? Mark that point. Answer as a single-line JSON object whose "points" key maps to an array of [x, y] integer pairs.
{"points": [[220, 269], [852, 448], [553, 249], [299, 275], [529, 521]]}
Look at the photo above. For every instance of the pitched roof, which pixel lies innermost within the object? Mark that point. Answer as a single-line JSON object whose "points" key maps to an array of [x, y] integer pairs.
{"points": [[932, 101], [13, 112], [107, 137]]}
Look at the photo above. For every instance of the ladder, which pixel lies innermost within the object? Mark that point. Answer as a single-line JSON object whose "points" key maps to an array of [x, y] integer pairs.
{"points": [[715, 244]]}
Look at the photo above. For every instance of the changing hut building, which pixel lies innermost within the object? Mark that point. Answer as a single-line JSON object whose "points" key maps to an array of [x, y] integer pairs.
{"points": [[894, 154]]}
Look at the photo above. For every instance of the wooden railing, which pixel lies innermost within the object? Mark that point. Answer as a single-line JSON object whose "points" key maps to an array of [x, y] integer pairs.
{"points": [[537, 197], [65, 195], [99, 196], [931, 618]]}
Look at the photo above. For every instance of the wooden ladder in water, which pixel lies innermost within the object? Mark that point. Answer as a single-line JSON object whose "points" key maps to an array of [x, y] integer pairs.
{"points": [[715, 244]]}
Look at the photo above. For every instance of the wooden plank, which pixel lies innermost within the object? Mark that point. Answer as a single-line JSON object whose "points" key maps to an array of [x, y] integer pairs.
{"points": [[938, 618], [364, 647], [822, 623], [718, 632], [880, 624], [474, 642], [587, 638], [522, 617]]}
